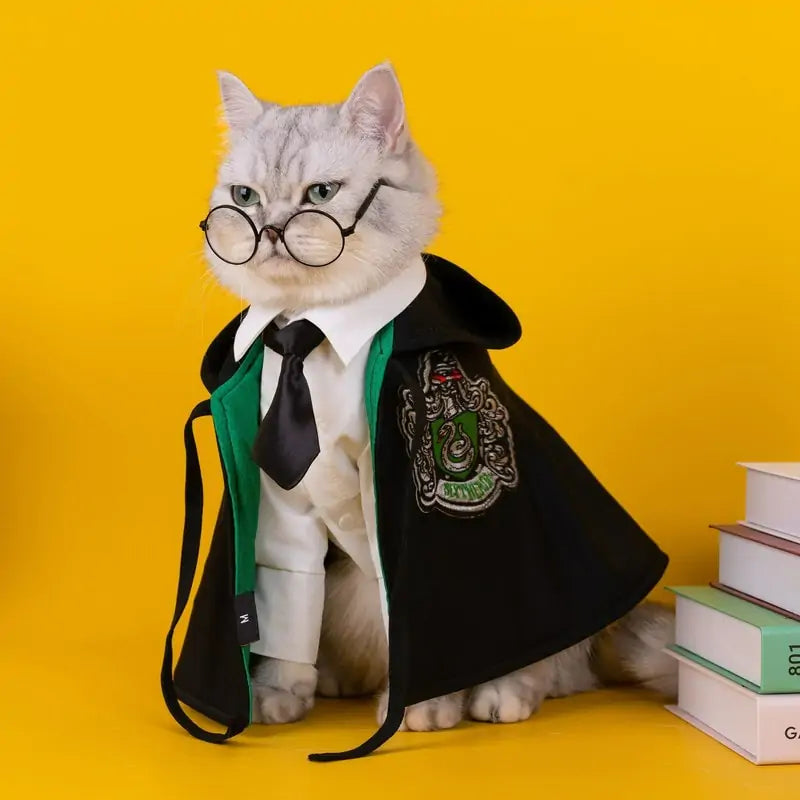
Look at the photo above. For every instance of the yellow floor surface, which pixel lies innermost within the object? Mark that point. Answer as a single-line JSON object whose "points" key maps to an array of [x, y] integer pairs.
{"points": [[85, 719]]}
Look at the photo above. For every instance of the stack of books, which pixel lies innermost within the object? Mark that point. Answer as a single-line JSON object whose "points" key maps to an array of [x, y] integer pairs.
{"points": [[737, 640]]}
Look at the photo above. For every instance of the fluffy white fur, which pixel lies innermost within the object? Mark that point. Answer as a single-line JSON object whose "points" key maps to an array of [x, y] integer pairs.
{"points": [[280, 151]]}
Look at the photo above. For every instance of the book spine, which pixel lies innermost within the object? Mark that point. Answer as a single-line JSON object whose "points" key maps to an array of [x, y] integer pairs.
{"points": [[780, 660], [755, 600], [778, 733]]}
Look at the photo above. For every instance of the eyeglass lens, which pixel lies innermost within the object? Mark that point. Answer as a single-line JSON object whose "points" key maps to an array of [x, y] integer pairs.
{"points": [[312, 238]]}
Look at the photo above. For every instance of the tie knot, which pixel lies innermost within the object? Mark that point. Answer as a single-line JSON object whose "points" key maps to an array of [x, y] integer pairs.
{"points": [[297, 339]]}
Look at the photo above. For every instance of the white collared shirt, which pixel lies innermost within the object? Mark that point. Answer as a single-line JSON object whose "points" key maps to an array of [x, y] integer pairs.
{"points": [[335, 499]]}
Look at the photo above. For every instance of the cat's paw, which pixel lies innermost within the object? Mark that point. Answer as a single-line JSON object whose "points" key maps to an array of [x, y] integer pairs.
{"points": [[438, 714], [512, 698], [277, 706], [329, 684], [283, 691]]}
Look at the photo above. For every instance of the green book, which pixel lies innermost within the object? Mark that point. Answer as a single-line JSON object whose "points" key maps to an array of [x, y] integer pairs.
{"points": [[757, 648]]}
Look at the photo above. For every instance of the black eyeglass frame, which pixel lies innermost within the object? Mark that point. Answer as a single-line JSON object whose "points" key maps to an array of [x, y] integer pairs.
{"points": [[257, 234]]}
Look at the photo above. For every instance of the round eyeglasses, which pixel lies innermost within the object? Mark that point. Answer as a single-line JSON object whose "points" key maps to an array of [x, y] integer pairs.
{"points": [[311, 237]]}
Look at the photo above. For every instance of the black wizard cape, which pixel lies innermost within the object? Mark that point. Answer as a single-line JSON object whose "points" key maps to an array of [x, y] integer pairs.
{"points": [[498, 546]]}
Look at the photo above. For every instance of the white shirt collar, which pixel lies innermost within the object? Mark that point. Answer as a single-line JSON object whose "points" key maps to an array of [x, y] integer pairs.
{"points": [[349, 326]]}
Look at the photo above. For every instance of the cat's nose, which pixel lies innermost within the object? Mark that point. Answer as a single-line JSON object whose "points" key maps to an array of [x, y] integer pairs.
{"points": [[272, 235]]}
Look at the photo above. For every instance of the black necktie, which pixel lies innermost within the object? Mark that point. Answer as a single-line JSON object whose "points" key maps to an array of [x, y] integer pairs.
{"points": [[287, 441]]}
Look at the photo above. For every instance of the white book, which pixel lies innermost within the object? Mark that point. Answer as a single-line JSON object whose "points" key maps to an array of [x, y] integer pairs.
{"points": [[772, 500], [742, 641], [763, 568], [764, 728]]}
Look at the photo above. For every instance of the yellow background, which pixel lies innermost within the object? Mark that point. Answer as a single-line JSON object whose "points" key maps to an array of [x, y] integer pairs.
{"points": [[626, 174]]}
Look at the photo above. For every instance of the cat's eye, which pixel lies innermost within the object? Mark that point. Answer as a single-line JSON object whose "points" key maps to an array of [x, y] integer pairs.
{"points": [[319, 193], [244, 196], [312, 237]]}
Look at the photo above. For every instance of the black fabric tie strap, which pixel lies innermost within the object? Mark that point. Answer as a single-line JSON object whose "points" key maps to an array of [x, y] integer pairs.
{"points": [[287, 441], [190, 550], [398, 674], [398, 625]]}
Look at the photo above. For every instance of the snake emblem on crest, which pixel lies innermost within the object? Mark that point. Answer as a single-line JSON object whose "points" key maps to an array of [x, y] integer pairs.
{"points": [[465, 455]]}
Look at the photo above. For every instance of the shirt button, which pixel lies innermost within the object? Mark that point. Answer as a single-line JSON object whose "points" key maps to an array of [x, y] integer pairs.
{"points": [[347, 521]]}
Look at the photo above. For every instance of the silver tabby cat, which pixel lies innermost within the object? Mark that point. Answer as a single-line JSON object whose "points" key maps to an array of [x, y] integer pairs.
{"points": [[279, 151]]}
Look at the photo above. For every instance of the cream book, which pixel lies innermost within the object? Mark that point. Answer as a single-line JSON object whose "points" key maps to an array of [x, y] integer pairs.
{"points": [[743, 642], [764, 728], [773, 498], [762, 568]]}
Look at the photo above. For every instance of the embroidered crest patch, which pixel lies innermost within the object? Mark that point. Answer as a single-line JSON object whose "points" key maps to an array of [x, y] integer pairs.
{"points": [[466, 451]]}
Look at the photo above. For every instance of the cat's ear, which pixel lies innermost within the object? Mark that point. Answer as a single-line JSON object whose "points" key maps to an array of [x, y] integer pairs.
{"points": [[239, 105], [376, 109]]}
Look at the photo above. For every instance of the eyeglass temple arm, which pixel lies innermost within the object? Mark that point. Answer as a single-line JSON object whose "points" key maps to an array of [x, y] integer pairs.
{"points": [[365, 205]]}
